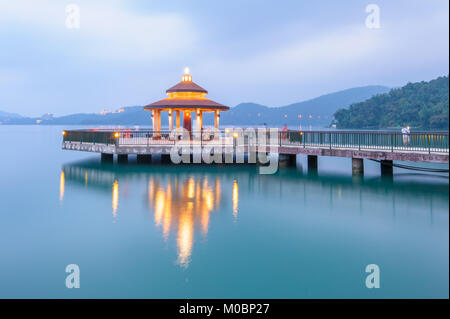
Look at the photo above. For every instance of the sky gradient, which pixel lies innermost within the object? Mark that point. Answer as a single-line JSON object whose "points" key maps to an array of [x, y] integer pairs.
{"points": [[268, 52]]}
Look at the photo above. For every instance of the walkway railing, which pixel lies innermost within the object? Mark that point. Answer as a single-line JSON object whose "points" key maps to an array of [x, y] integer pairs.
{"points": [[369, 140], [436, 142]]}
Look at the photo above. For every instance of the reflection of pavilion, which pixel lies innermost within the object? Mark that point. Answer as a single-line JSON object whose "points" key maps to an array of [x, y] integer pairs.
{"points": [[182, 200], [183, 203]]}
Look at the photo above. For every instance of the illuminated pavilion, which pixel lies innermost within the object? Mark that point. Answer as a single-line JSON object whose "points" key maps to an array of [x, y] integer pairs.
{"points": [[185, 97]]}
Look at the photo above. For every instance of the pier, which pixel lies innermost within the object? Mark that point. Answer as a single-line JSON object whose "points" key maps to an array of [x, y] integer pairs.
{"points": [[237, 144], [187, 143]]}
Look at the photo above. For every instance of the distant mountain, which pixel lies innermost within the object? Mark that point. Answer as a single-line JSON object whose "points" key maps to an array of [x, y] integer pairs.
{"points": [[318, 111], [422, 105], [5, 116]]}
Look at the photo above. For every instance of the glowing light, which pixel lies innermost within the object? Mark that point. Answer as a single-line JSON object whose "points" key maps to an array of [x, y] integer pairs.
{"points": [[186, 78], [217, 192], [159, 206], [186, 70], [235, 198], [191, 188], [185, 238], [63, 133], [167, 212], [235, 135], [115, 198], [189, 95], [62, 182], [116, 135], [184, 206]]}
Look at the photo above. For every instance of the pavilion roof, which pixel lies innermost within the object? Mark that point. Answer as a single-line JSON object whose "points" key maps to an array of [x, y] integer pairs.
{"points": [[184, 103], [186, 86]]}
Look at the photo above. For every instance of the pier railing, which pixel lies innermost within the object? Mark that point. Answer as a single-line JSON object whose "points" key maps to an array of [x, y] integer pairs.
{"points": [[369, 140], [436, 142]]}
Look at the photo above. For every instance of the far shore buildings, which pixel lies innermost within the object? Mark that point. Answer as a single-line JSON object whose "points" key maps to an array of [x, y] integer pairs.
{"points": [[183, 99]]}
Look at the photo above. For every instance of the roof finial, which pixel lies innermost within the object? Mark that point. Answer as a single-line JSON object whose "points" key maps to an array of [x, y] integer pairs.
{"points": [[186, 77]]}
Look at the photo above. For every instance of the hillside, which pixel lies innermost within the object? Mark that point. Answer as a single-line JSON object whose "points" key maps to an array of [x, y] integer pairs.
{"points": [[318, 111], [421, 105], [5, 116]]}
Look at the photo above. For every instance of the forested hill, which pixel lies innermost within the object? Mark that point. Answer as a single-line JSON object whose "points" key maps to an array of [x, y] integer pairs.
{"points": [[421, 105]]}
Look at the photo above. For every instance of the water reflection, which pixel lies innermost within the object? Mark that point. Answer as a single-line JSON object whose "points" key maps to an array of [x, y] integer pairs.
{"points": [[183, 200], [181, 203], [115, 197], [62, 184], [235, 198]]}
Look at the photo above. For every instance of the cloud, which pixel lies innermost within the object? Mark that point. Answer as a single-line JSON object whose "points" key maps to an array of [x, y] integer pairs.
{"points": [[406, 48], [128, 53], [108, 30]]}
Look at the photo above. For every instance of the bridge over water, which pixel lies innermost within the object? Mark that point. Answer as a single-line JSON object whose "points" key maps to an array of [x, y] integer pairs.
{"points": [[237, 144]]}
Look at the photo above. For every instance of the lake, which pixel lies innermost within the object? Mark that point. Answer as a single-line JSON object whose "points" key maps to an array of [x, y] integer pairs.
{"points": [[214, 231]]}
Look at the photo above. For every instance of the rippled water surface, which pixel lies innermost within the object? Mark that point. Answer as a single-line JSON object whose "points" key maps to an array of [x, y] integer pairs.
{"points": [[172, 231]]}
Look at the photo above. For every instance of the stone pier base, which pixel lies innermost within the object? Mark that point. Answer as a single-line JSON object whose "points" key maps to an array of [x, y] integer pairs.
{"points": [[165, 159], [287, 159], [357, 166], [107, 158], [312, 162], [144, 159], [122, 158], [386, 168]]}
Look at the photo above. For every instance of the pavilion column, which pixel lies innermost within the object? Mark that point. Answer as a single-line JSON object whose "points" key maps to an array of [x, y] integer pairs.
{"points": [[154, 120], [159, 120], [187, 121], [216, 119], [199, 120], [178, 121], [170, 121]]}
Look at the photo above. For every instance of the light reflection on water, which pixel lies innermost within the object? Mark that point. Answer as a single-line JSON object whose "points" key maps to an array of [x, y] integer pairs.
{"points": [[182, 203], [178, 204], [210, 231]]}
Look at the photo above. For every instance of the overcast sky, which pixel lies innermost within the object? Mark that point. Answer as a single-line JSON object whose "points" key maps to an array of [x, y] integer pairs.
{"points": [[269, 52]]}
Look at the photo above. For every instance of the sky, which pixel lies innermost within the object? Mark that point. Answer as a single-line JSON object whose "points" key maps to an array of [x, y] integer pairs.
{"points": [[273, 53]]}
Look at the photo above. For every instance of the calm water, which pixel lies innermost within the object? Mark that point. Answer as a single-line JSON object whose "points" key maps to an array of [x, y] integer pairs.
{"points": [[213, 231]]}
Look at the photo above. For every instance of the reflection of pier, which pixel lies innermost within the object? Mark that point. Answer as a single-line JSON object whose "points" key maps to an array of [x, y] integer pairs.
{"points": [[183, 200]]}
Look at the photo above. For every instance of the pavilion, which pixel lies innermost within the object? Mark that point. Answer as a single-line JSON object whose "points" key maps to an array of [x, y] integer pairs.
{"points": [[185, 97]]}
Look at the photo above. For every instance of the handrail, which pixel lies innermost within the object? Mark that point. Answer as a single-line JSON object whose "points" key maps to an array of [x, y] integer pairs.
{"points": [[256, 128], [332, 139]]}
